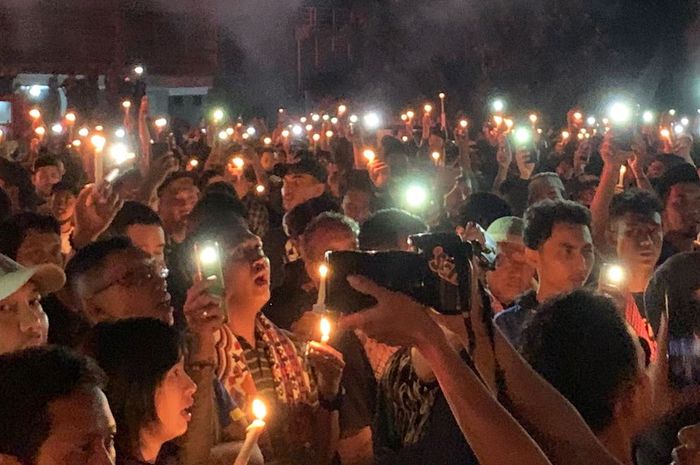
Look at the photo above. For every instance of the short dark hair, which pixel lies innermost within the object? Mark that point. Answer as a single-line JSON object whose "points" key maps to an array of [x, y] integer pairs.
{"points": [[579, 343], [65, 186], [134, 213], [681, 174], [13, 174], [541, 217], [635, 201], [483, 208], [174, 177], [331, 221], [298, 218], [219, 217], [135, 354], [91, 258], [33, 379], [14, 230], [46, 160], [383, 229]]}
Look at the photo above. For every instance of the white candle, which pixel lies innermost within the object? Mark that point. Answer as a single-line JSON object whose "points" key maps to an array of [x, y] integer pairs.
{"points": [[321, 301], [252, 433], [621, 181], [99, 143]]}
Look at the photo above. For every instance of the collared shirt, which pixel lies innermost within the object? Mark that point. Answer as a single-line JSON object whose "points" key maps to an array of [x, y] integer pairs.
{"points": [[513, 320]]}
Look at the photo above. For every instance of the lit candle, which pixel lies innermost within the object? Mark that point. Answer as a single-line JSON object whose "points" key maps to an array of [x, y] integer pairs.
{"points": [[325, 330], [99, 143], [427, 108], [436, 158], [252, 433], [369, 155], [443, 118], [321, 301], [621, 181]]}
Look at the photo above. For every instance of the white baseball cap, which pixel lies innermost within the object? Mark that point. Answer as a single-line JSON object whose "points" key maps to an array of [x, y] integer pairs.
{"points": [[47, 278]]}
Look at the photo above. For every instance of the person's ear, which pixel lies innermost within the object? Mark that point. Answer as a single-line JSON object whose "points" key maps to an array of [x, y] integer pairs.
{"points": [[319, 189], [9, 460], [532, 257]]}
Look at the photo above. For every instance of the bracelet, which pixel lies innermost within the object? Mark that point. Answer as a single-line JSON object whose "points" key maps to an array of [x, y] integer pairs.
{"points": [[332, 405]]}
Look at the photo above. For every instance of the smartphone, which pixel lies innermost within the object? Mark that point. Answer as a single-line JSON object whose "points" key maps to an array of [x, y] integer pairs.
{"points": [[112, 176], [207, 256], [159, 150], [684, 362], [613, 276]]}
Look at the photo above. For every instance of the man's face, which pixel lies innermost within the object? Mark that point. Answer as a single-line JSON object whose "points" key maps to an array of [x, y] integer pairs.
{"points": [[82, 431], [39, 248], [513, 274], [247, 274], [356, 205], [655, 170], [45, 178], [298, 188], [23, 322], [549, 187], [565, 260], [315, 248], [63, 206], [682, 210], [638, 239], [130, 285], [150, 238], [176, 203]]}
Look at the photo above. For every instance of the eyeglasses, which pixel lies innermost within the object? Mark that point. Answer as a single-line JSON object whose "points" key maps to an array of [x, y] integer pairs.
{"points": [[137, 277]]}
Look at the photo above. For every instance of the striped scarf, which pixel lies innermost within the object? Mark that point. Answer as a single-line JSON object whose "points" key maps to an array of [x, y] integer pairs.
{"points": [[292, 382]]}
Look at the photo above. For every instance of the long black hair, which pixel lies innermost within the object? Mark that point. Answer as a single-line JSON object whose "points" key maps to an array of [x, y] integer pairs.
{"points": [[136, 354]]}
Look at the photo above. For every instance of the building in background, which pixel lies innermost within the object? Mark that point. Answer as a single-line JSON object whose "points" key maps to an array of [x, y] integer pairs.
{"points": [[105, 40]]}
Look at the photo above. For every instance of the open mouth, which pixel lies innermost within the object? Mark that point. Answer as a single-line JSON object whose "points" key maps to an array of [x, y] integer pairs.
{"points": [[261, 280], [187, 413]]}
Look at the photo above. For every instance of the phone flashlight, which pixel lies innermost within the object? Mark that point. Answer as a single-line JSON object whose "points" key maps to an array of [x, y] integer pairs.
{"points": [[208, 262]]}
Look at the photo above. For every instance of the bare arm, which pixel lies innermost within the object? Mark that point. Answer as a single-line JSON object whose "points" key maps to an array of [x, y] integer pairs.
{"points": [[483, 421], [613, 161]]}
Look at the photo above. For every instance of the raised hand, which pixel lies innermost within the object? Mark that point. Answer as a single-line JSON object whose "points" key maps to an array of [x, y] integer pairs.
{"points": [[95, 209]]}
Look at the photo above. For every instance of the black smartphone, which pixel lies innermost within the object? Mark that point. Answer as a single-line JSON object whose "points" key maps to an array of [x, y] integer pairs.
{"points": [[159, 150]]}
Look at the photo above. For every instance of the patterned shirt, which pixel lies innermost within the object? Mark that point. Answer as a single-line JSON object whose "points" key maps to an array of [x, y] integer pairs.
{"points": [[258, 216]]}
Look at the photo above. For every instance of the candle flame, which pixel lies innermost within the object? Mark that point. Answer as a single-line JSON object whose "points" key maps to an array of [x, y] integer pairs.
{"points": [[323, 271], [369, 155], [238, 162], [259, 409], [428, 108], [436, 155], [34, 113], [325, 330]]}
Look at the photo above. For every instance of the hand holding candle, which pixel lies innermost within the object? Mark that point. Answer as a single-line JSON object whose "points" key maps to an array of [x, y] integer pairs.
{"points": [[253, 433]]}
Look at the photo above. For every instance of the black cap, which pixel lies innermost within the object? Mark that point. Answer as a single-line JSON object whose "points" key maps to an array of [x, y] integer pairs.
{"points": [[307, 166]]}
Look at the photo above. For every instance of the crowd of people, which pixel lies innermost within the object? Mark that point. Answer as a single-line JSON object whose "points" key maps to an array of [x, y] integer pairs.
{"points": [[579, 344]]}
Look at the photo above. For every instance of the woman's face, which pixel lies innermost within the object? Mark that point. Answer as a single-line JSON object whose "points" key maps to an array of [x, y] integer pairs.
{"points": [[23, 322], [174, 398]]}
